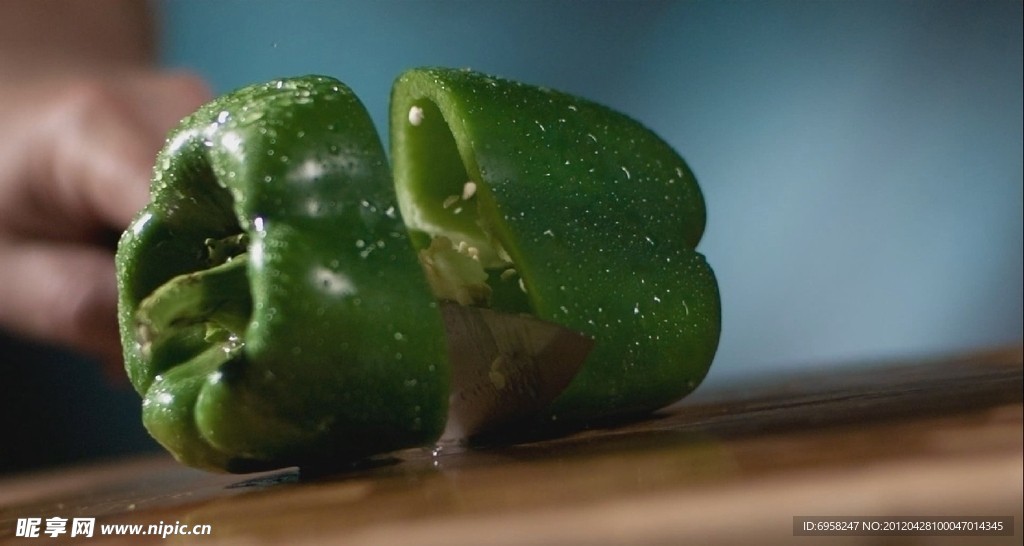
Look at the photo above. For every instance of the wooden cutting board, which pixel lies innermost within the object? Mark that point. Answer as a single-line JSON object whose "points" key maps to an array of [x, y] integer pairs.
{"points": [[940, 437]]}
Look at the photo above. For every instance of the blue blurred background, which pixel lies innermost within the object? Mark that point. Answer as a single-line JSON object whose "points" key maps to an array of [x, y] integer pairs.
{"points": [[861, 161]]}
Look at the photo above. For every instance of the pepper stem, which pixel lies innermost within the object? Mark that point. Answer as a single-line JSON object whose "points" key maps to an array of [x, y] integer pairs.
{"points": [[187, 313]]}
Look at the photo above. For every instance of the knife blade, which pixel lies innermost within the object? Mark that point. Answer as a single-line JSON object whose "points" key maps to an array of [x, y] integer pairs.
{"points": [[505, 367]]}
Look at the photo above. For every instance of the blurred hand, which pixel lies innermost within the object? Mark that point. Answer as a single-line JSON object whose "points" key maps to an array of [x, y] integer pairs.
{"points": [[76, 155]]}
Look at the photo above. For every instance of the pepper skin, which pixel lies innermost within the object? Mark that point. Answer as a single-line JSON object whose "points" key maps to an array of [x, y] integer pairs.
{"points": [[595, 214], [315, 340]]}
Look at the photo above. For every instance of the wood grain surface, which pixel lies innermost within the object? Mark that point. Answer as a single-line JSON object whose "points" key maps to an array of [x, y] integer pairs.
{"points": [[936, 437]]}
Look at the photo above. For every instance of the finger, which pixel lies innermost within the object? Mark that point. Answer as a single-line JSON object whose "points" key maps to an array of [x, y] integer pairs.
{"points": [[99, 147], [97, 157], [161, 100], [62, 294]]}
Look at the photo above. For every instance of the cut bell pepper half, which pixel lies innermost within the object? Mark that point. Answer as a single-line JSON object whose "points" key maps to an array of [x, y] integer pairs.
{"points": [[575, 214]]}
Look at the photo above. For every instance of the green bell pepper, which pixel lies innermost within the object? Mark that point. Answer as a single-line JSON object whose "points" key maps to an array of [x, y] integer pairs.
{"points": [[271, 308], [278, 297]]}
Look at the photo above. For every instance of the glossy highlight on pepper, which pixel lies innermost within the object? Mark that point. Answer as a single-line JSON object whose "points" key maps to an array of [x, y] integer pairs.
{"points": [[279, 296]]}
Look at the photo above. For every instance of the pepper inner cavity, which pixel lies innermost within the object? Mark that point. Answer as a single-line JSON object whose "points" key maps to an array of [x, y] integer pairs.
{"points": [[448, 204]]}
